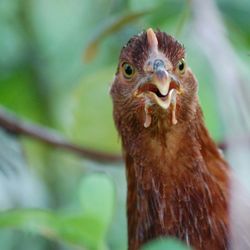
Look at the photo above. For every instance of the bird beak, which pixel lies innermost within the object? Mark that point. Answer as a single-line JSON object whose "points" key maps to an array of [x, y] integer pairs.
{"points": [[161, 87], [163, 80], [168, 88]]}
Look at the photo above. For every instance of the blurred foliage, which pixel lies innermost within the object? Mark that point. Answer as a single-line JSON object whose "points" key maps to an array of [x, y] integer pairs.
{"points": [[58, 59], [166, 244], [87, 228]]}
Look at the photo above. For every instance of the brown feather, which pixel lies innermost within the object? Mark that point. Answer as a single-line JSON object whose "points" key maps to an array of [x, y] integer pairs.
{"points": [[177, 179]]}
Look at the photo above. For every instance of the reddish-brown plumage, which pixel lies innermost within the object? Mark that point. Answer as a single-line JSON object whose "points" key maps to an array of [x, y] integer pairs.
{"points": [[177, 178]]}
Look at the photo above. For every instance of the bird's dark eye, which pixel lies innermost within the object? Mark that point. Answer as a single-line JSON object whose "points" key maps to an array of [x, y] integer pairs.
{"points": [[128, 70], [181, 66]]}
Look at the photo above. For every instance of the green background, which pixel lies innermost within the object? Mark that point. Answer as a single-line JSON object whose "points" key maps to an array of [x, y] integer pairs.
{"points": [[57, 61]]}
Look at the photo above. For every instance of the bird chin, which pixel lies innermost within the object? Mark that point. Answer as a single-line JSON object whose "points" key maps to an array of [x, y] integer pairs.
{"points": [[163, 102]]}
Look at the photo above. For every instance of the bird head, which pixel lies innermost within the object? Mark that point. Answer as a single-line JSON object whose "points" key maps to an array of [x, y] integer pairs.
{"points": [[153, 81]]}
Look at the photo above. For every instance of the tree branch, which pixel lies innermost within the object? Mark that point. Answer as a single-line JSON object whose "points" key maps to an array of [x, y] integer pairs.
{"points": [[17, 126]]}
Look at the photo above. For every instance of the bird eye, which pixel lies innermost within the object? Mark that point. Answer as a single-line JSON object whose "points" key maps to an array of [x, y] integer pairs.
{"points": [[181, 66], [128, 70]]}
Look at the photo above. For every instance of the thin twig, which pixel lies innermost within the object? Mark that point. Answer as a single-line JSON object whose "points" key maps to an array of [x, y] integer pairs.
{"points": [[17, 126]]}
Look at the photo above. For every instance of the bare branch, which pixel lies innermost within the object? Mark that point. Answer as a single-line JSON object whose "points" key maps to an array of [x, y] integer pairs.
{"points": [[17, 126]]}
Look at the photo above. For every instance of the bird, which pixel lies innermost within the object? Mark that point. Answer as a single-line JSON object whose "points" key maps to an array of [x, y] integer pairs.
{"points": [[177, 178]]}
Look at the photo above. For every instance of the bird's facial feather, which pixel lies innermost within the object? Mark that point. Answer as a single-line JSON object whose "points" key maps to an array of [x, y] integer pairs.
{"points": [[152, 76]]}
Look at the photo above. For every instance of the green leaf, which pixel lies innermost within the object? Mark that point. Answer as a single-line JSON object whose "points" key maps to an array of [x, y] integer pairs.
{"points": [[97, 197], [144, 4], [30, 220], [20, 94], [81, 230], [87, 229], [165, 244], [93, 123], [76, 230], [109, 27], [236, 14]]}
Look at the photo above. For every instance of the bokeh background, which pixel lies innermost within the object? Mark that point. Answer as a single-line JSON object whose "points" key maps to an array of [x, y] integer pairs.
{"points": [[57, 61]]}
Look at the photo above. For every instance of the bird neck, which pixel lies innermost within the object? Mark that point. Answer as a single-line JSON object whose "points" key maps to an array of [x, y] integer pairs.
{"points": [[157, 150], [169, 180]]}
